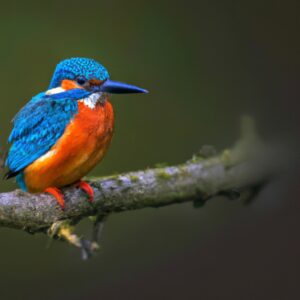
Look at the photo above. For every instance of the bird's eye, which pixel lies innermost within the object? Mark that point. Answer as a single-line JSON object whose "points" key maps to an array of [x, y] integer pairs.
{"points": [[81, 80]]}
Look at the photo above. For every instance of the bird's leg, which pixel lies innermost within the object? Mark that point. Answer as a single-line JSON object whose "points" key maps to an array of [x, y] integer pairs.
{"points": [[58, 195], [83, 185]]}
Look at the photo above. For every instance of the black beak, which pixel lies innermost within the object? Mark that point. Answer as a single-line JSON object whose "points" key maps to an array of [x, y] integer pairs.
{"points": [[115, 87]]}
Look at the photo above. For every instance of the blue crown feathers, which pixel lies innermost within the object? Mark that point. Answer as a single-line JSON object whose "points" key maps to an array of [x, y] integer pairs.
{"points": [[78, 66]]}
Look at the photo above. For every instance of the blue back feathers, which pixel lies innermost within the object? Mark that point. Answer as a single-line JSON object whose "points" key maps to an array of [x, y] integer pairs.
{"points": [[37, 127], [42, 121]]}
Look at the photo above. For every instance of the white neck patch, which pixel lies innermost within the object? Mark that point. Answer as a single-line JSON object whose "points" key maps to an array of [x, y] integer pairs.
{"points": [[55, 91]]}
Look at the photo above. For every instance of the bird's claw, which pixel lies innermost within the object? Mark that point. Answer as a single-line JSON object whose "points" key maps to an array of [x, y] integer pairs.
{"points": [[86, 187], [58, 195]]}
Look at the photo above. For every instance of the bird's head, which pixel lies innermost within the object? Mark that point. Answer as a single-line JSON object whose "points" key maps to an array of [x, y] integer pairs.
{"points": [[88, 75]]}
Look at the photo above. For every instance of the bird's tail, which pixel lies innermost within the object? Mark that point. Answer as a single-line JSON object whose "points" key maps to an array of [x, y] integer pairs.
{"points": [[3, 155]]}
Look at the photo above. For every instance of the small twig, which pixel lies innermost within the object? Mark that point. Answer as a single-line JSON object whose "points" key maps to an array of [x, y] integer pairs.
{"points": [[98, 229], [64, 230]]}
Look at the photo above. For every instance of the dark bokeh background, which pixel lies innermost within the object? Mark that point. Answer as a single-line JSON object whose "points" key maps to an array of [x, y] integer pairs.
{"points": [[206, 63]]}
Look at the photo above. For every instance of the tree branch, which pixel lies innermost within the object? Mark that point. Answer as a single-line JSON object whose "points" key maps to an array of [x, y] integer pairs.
{"points": [[247, 165]]}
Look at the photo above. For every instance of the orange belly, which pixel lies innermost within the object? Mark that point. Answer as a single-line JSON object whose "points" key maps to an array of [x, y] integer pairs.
{"points": [[79, 149]]}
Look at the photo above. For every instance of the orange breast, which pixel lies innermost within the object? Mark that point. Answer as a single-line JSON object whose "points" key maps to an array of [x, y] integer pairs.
{"points": [[80, 148]]}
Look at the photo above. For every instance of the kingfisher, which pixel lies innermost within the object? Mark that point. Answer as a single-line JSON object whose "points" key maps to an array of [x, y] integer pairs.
{"points": [[62, 133]]}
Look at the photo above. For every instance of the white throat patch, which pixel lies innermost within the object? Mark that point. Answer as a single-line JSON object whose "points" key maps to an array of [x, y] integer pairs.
{"points": [[93, 99]]}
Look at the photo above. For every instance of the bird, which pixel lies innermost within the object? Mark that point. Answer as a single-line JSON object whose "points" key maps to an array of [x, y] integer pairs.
{"points": [[62, 133]]}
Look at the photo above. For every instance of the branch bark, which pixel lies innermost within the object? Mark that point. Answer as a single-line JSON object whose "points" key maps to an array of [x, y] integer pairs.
{"points": [[248, 164]]}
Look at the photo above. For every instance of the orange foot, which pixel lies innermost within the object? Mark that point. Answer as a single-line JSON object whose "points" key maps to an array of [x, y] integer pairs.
{"points": [[58, 195], [83, 185]]}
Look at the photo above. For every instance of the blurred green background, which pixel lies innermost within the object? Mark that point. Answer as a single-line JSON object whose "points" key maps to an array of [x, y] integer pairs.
{"points": [[205, 64]]}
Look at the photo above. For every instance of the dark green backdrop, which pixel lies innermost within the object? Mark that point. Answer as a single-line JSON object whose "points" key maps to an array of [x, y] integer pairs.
{"points": [[205, 64]]}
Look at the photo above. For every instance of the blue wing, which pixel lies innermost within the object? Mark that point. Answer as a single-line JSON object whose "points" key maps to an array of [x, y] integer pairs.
{"points": [[37, 127]]}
